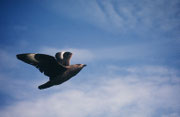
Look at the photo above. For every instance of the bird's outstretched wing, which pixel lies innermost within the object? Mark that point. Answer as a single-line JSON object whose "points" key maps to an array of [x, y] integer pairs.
{"points": [[44, 63], [63, 58]]}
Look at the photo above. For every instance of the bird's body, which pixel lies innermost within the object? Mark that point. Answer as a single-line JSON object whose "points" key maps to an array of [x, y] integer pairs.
{"points": [[57, 69], [71, 71]]}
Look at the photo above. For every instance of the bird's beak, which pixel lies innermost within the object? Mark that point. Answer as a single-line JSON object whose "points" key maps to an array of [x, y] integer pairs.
{"points": [[84, 65]]}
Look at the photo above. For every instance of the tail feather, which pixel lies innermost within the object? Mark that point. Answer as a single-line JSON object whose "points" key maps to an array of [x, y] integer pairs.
{"points": [[45, 85]]}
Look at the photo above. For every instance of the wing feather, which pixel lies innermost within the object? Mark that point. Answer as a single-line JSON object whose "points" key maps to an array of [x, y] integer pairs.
{"points": [[45, 63], [63, 58]]}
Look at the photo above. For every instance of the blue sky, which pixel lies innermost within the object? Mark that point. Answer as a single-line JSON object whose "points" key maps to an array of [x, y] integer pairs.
{"points": [[131, 49]]}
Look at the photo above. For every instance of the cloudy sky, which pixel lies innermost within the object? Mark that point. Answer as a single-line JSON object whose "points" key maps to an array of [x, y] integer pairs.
{"points": [[132, 49]]}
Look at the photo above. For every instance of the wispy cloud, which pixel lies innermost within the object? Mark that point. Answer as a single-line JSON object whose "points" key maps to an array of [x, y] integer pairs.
{"points": [[123, 16], [126, 96]]}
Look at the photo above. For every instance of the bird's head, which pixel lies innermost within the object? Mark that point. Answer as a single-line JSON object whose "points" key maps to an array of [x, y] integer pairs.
{"points": [[84, 65], [81, 65]]}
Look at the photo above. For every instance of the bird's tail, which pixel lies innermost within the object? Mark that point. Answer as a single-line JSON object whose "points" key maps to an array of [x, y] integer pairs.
{"points": [[45, 85]]}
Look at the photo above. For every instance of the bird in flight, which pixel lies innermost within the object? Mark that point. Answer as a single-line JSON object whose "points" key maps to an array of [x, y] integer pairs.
{"points": [[57, 68]]}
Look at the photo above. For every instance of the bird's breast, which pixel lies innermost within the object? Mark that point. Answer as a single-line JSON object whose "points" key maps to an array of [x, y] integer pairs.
{"points": [[66, 76]]}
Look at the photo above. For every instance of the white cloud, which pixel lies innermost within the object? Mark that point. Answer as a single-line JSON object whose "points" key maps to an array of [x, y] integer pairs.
{"points": [[110, 96]]}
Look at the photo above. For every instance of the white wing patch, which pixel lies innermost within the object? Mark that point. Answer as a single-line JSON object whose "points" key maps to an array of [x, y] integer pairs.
{"points": [[32, 57], [62, 53]]}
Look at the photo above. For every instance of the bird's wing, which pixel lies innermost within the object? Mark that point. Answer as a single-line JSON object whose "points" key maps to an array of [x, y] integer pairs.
{"points": [[44, 63], [63, 58]]}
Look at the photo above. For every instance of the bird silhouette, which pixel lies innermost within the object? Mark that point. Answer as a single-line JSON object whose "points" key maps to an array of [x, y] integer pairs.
{"points": [[57, 68]]}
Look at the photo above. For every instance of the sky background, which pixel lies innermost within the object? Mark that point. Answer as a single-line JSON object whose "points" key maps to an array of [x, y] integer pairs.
{"points": [[131, 48]]}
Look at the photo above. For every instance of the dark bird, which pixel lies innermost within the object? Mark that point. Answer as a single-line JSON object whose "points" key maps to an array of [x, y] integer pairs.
{"points": [[57, 68]]}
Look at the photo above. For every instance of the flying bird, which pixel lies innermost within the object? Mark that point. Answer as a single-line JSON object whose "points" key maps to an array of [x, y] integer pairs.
{"points": [[57, 68]]}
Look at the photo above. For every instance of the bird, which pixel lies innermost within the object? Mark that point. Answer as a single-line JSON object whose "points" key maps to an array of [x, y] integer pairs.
{"points": [[57, 68]]}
